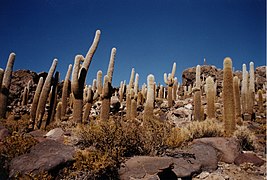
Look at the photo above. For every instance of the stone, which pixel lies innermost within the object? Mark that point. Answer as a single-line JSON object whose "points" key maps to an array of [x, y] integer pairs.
{"points": [[248, 158], [206, 155], [45, 156], [3, 133], [139, 167], [38, 135], [228, 148], [55, 134]]}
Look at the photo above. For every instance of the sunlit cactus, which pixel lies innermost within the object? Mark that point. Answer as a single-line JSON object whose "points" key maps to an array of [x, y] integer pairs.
{"points": [[59, 112], [251, 89], [99, 82], [105, 96], [161, 91], [35, 102], [88, 103], [210, 97], [197, 96], [136, 86], [228, 98], [260, 101], [236, 82], [174, 89], [131, 82], [65, 92], [111, 64], [79, 76], [149, 105], [244, 89], [169, 80], [44, 94], [5, 85]]}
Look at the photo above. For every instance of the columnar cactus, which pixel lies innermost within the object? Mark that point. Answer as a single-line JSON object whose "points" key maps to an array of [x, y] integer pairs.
{"points": [[5, 85], [106, 94], [133, 104], [210, 98], [65, 93], [99, 82], [53, 101], [1, 77], [149, 105], [174, 89], [79, 76], [244, 89], [169, 81], [59, 112], [260, 101], [24, 96], [88, 103], [237, 99], [197, 96], [35, 102], [111, 64], [136, 87], [131, 82], [251, 89], [228, 98], [44, 95], [128, 103], [161, 91]]}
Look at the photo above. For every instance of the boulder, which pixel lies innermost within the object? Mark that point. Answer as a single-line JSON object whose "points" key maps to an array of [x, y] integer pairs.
{"points": [[45, 156], [248, 158], [141, 167], [228, 148], [55, 134]]}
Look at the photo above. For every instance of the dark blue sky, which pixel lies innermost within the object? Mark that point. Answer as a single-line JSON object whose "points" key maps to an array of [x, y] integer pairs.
{"points": [[149, 35]]}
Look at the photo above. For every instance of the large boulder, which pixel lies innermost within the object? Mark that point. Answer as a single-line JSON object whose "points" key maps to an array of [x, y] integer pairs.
{"points": [[45, 156], [228, 148]]}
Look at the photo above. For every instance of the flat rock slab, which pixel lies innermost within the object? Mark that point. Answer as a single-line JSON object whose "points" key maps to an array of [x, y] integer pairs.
{"points": [[45, 156], [249, 158], [145, 167], [228, 148]]}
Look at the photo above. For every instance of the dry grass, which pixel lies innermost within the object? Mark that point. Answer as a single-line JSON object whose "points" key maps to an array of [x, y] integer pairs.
{"points": [[246, 138], [194, 130]]}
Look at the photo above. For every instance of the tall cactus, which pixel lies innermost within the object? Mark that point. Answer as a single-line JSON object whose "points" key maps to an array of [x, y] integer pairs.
{"points": [[111, 64], [1, 77], [6, 82], [169, 81], [174, 89], [251, 89], [228, 98], [236, 82], [44, 94], [99, 82], [65, 92], [197, 96], [210, 98], [244, 89], [260, 101], [88, 104], [79, 76], [149, 105]]}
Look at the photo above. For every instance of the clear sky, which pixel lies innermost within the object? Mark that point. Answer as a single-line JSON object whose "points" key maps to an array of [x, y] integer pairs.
{"points": [[149, 35]]}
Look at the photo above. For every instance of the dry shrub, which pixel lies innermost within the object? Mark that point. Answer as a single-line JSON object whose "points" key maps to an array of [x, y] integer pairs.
{"points": [[194, 130], [246, 138]]}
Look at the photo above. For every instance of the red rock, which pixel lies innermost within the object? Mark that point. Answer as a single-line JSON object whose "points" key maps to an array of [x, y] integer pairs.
{"points": [[249, 158]]}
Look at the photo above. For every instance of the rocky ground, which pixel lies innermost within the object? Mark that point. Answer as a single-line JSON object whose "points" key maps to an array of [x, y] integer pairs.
{"points": [[60, 152]]}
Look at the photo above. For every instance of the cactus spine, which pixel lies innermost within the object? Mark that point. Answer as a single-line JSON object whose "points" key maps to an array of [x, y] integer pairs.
{"points": [[197, 96], [210, 98], [149, 105], [44, 94], [228, 98], [6, 82], [65, 92], [79, 76], [169, 81]]}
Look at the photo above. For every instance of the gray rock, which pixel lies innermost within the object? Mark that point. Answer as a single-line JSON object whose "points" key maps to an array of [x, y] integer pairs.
{"points": [[55, 134], [45, 156], [228, 148]]}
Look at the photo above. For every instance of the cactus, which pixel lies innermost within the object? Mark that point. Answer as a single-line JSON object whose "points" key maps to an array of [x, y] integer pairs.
{"points": [[131, 82], [169, 81], [251, 89], [133, 105], [1, 77], [121, 91], [197, 96], [99, 82], [140, 98], [111, 64], [24, 96], [44, 95], [149, 105], [35, 102], [228, 98], [79, 76], [6, 82], [94, 86], [59, 112], [88, 105], [260, 101], [174, 89], [244, 89], [136, 88], [128, 104], [53, 101], [65, 92], [161, 91], [237, 99], [210, 97], [106, 94]]}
